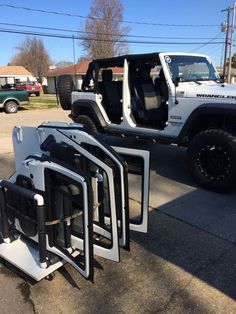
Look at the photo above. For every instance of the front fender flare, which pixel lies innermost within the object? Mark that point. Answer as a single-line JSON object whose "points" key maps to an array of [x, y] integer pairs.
{"points": [[203, 110]]}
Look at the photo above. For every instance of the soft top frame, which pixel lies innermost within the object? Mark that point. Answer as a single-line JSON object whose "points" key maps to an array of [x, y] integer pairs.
{"points": [[136, 59]]}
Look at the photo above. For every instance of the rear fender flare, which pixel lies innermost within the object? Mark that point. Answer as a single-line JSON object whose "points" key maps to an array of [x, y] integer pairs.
{"points": [[90, 108]]}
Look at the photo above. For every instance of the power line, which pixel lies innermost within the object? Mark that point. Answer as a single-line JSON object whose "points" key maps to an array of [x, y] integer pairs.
{"points": [[15, 31], [97, 18], [210, 48], [92, 33], [219, 35]]}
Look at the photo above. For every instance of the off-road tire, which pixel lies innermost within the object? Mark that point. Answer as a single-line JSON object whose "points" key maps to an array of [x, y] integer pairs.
{"points": [[11, 106], [87, 122], [65, 86], [211, 159]]}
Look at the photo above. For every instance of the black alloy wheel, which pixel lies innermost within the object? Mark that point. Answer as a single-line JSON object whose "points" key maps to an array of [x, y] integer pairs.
{"points": [[211, 158]]}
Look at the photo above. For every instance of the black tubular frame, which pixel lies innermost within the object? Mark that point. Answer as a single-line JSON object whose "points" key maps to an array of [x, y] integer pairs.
{"points": [[92, 148], [95, 151], [67, 228], [40, 210], [4, 221]]}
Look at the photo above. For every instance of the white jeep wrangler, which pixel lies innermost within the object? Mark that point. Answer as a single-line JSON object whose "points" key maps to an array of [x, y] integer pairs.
{"points": [[172, 98]]}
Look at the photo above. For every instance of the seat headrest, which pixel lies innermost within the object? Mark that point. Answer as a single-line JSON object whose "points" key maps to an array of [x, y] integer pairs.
{"points": [[107, 75], [144, 71], [161, 74]]}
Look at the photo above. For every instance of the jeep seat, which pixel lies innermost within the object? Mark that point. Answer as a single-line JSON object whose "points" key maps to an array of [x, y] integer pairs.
{"points": [[110, 96], [147, 96], [161, 86]]}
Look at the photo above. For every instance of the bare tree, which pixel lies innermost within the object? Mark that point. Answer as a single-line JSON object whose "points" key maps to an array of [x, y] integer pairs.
{"points": [[33, 56], [104, 30], [63, 64]]}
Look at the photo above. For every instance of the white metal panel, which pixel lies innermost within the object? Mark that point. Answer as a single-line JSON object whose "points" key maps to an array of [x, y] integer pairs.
{"points": [[145, 155], [25, 257], [36, 169], [31, 138]]}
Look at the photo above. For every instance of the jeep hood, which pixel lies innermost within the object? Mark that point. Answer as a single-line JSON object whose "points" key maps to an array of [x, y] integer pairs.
{"points": [[207, 90]]}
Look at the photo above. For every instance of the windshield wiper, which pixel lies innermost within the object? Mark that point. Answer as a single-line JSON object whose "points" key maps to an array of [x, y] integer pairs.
{"points": [[192, 81]]}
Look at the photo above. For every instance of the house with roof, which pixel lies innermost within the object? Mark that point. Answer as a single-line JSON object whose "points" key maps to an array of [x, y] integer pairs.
{"points": [[12, 74], [77, 72]]}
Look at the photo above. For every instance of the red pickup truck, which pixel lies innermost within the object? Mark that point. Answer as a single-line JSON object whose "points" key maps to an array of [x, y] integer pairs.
{"points": [[30, 87]]}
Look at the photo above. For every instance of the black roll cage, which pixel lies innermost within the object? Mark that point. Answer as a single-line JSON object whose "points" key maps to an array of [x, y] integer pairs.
{"points": [[135, 59]]}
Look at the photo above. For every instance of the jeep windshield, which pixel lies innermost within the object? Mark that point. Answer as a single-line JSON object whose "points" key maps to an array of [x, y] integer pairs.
{"points": [[191, 68]]}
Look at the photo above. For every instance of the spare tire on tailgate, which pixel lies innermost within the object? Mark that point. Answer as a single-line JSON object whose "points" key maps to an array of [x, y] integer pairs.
{"points": [[65, 86]]}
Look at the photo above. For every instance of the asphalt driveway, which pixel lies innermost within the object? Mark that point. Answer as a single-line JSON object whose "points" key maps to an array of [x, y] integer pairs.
{"points": [[185, 264]]}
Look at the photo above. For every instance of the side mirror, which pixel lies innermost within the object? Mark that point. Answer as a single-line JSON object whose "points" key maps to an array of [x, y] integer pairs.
{"points": [[176, 81], [222, 79]]}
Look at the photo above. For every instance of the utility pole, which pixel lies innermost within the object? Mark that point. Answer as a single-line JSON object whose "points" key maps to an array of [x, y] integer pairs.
{"points": [[226, 38], [231, 43]]}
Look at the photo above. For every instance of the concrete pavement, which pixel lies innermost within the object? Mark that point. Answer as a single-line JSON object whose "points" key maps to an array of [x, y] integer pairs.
{"points": [[185, 264], [29, 118]]}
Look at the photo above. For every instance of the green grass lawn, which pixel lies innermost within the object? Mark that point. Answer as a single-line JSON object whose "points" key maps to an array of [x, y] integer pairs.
{"points": [[46, 101]]}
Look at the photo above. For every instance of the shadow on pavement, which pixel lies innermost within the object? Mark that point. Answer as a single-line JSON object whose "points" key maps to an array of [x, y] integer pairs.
{"points": [[23, 109], [203, 256], [7, 165], [170, 162], [174, 268], [167, 160]]}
